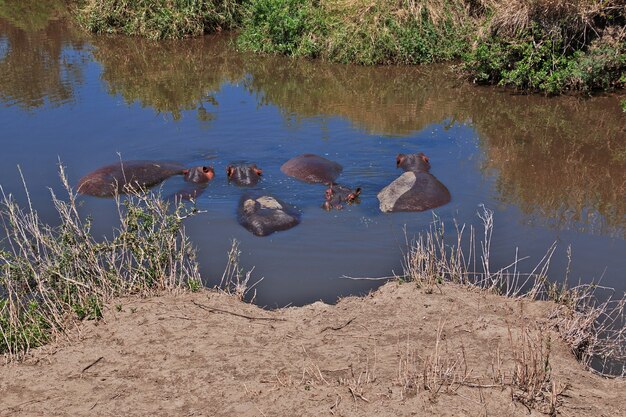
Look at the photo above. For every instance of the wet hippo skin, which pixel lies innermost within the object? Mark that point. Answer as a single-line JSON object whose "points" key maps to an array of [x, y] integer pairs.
{"points": [[118, 178], [312, 169], [335, 195], [244, 175], [416, 189], [264, 214]]}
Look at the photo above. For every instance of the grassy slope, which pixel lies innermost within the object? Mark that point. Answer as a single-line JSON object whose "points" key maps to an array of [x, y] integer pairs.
{"points": [[550, 46], [540, 45]]}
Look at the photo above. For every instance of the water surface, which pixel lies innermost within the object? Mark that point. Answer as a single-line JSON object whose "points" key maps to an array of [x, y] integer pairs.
{"points": [[552, 169]]}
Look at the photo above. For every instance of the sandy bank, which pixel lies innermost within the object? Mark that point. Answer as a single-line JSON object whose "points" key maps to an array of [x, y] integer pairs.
{"points": [[206, 354]]}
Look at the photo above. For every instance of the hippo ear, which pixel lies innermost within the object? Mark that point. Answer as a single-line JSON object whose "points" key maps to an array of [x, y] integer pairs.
{"points": [[185, 172], [399, 159], [424, 157], [357, 192], [229, 171], [258, 171], [206, 169]]}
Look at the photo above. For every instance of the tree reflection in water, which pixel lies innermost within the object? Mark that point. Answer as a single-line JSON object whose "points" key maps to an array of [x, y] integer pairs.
{"points": [[34, 36]]}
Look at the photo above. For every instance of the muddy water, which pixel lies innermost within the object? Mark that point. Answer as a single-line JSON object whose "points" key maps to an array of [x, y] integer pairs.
{"points": [[551, 169]]}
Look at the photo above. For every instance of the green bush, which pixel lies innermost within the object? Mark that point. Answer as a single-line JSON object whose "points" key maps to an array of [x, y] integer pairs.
{"points": [[539, 63], [367, 34], [281, 26]]}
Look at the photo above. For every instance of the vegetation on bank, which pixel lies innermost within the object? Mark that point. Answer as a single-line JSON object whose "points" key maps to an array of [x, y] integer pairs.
{"points": [[159, 19], [355, 31], [551, 46], [53, 275], [590, 318]]}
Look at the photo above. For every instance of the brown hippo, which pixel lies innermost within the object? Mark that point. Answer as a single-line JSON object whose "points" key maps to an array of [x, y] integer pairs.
{"points": [[264, 214], [244, 175], [118, 178], [312, 169], [413, 162], [416, 189], [337, 194]]}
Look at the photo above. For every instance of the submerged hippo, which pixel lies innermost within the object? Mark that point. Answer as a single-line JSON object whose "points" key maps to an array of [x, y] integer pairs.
{"points": [[123, 176], [337, 194], [416, 189], [312, 169], [264, 214], [244, 175]]}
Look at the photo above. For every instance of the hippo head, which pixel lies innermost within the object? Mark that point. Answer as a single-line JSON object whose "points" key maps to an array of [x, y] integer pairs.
{"points": [[337, 194], [199, 175], [413, 162], [244, 174]]}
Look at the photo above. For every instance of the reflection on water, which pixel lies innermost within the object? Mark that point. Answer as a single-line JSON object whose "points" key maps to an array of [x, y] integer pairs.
{"points": [[31, 15], [561, 160], [381, 100], [40, 58], [553, 168], [170, 76]]}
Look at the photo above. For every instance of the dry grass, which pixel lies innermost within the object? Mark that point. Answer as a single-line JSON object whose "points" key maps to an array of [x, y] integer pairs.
{"points": [[437, 372], [52, 275], [531, 380], [234, 280], [588, 318], [581, 19]]}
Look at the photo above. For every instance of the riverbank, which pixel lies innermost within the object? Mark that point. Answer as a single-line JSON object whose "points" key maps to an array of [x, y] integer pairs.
{"points": [[402, 350], [540, 46]]}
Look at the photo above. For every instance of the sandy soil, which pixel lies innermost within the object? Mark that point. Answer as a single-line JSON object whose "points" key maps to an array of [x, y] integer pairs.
{"points": [[207, 354]]}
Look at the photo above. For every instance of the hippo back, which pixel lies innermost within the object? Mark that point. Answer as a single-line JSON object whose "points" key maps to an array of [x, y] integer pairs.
{"points": [[413, 191], [264, 214], [312, 169], [111, 179]]}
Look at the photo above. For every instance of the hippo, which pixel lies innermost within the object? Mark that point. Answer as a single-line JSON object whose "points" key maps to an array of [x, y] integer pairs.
{"points": [[263, 214], [244, 175], [123, 176], [416, 189], [413, 162], [337, 194], [312, 169]]}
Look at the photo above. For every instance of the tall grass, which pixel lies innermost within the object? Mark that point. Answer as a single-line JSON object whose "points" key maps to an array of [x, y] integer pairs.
{"points": [[356, 31], [52, 275], [159, 19], [589, 317]]}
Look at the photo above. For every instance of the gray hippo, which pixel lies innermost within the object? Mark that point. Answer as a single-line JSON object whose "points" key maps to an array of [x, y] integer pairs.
{"points": [[312, 169], [416, 189], [337, 194], [264, 214], [244, 175], [123, 176]]}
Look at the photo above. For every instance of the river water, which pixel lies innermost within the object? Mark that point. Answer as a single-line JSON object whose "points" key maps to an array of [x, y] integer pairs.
{"points": [[551, 169]]}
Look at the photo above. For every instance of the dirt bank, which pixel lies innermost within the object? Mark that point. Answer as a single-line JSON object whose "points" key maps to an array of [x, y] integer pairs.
{"points": [[398, 352]]}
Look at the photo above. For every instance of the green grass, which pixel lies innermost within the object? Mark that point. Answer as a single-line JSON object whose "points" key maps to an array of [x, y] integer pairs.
{"points": [[159, 19], [550, 46], [53, 275], [367, 34]]}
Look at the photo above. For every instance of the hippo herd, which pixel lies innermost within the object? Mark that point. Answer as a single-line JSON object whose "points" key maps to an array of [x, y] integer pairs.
{"points": [[262, 214]]}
